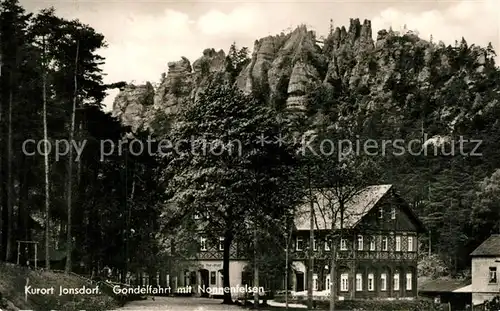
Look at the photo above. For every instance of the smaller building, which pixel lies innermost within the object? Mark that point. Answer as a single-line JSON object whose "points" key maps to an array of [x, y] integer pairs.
{"points": [[485, 267], [455, 293]]}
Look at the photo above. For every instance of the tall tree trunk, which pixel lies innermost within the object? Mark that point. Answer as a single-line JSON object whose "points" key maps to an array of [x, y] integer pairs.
{"points": [[228, 237], [69, 237], [255, 268], [127, 242], [46, 162], [10, 220], [2, 206]]}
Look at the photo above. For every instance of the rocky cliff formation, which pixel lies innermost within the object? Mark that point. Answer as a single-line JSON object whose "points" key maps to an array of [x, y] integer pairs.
{"points": [[388, 74]]}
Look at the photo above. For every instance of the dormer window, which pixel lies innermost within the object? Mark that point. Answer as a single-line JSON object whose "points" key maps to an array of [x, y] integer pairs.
{"points": [[299, 244], [203, 244], [327, 245], [221, 243], [343, 244], [360, 242]]}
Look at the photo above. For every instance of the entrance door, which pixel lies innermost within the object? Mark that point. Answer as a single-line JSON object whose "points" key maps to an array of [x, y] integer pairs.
{"points": [[300, 281], [204, 274]]}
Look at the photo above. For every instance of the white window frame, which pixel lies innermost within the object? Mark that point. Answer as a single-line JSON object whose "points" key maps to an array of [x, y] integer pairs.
{"points": [[372, 244], [221, 243], [343, 244], [360, 242], [327, 245], [371, 280], [203, 244], [396, 281], [344, 282], [410, 243], [409, 280], [383, 282], [385, 243], [315, 282], [297, 248], [315, 245], [393, 213], [359, 282], [398, 243], [492, 275]]}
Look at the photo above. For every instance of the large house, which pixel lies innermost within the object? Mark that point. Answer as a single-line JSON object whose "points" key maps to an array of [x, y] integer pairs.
{"points": [[484, 270], [377, 252]]}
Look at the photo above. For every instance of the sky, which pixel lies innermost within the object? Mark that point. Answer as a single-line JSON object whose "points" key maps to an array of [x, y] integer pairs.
{"points": [[143, 36]]}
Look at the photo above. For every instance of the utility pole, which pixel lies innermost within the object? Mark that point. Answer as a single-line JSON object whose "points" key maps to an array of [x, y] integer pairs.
{"points": [[311, 248]]}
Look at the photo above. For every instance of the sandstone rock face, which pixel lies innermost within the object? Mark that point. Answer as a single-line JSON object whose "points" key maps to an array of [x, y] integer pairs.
{"points": [[136, 106], [290, 66], [132, 104]]}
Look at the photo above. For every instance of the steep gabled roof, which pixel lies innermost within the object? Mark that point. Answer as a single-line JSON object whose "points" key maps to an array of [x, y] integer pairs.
{"points": [[325, 208], [489, 248]]}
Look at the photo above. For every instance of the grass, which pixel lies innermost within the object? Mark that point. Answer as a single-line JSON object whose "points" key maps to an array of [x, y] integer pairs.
{"points": [[12, 289]]}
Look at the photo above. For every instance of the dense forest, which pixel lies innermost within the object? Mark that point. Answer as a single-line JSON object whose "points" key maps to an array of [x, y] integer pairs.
{"points": [[118, 211]]}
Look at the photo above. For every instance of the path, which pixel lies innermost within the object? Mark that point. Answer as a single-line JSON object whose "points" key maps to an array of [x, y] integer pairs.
{"points": [[179, 304]]}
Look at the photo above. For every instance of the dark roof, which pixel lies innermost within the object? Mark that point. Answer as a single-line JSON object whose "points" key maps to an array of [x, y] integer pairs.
{"points": [[442, 285], [490, 247], [324, 208]]}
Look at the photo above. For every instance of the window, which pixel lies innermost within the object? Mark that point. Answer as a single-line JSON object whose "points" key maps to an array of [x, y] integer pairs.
{"points": [[372, 244], [370, 282], [493, 274], [395, 286], [315, 247], [380, 213], [384, 243], [343, 244], [398, 243], [393, 213], [212, 278], [408, 281], [410, 244], [360, 242], [203, 244], [299, 244], [383, 282], [327, 245], [344, 282], [327, 282], [221, 243], [359, 282], [315, 282]]}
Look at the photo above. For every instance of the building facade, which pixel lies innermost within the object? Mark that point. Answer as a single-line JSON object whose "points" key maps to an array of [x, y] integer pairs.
{"points": [[484, 269], [377, 250]]}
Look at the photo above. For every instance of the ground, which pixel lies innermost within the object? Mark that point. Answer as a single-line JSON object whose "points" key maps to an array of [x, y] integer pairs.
{"points": [[179, 304], [188, 304]]}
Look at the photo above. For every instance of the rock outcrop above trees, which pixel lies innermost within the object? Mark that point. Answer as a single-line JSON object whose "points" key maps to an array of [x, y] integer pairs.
{"points": [[389, 74]]}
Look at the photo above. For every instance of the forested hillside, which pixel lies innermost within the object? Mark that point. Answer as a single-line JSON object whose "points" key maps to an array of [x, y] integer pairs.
{"points": [[443, 98], [95, 212], [114, 210]]}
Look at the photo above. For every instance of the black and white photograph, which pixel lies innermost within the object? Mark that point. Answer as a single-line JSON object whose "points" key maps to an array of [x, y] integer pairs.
{"points": [[228, 155]]}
